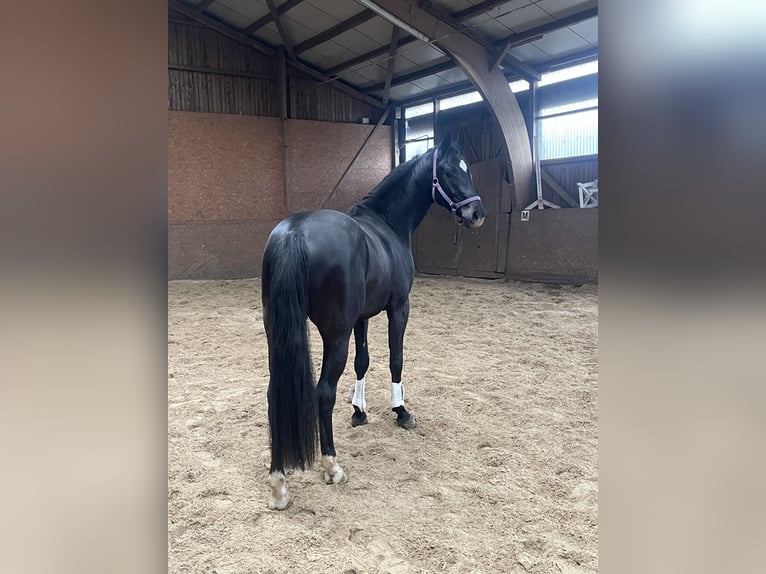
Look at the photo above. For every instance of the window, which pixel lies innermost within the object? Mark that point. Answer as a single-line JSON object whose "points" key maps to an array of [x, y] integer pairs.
{"points": [[567, 118], [568, 115], [569, 134], [418, 131]]}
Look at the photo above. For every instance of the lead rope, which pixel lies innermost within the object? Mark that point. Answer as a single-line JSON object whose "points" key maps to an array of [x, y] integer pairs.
{"points": [[457, 226]]}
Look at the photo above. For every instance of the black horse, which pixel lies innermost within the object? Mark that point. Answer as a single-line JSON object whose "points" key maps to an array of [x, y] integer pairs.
{"points": [[340, 269]]}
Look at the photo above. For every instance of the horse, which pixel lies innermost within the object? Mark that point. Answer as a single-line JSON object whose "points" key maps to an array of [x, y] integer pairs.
{"points": [[339, 270]]}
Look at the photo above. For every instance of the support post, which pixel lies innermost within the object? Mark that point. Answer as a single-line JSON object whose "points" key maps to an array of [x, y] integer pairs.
{"points": [[283, 89]]}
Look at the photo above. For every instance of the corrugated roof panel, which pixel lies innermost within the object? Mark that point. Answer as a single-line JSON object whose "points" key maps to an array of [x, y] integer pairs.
{"points": [[453, 76], [561, 42], [587, 30], [353, 78], [312, 17], [356, 42], [339, 9], [563, 8], [494, 29], [507, 8], [372, 74], [420, 53], [378, 29], [454, 5], [228, 16], [333, 51], [268, 34], [405, 91], [403, 65], [253, 9], [431, 82], [524, 18], [529, 53], [297, 31], [317, 59]]}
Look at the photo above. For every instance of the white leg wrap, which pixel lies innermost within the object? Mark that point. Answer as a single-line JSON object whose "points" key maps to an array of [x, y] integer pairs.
{"points": [[333, 472], [397, 395], [358, 399]]}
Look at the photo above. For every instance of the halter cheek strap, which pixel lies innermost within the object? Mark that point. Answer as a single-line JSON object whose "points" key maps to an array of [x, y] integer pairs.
{"points": [[436, 186]]}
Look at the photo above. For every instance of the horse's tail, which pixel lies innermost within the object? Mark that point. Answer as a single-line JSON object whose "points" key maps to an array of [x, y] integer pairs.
{"points": [[292, 405]]}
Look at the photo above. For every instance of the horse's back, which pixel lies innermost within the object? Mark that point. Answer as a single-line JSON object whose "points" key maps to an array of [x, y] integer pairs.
{"points": [[336, 254]]}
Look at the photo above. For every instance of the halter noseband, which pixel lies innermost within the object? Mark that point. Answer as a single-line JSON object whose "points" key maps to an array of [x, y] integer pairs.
{"points": [[435, 185]]}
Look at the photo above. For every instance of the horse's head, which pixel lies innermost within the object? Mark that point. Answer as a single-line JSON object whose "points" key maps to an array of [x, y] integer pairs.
{"points": [[453, 176]]}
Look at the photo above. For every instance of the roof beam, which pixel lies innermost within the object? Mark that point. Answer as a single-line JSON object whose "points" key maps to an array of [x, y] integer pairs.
{"points": [[336, 30], [532, 34], [281, 29], [390, 67], [504, 45], [474, 59], [369, 55], [477, 9], [202, 6], [261, 22], [234, 34], [520, 67], [416, 75], [468, 86]]}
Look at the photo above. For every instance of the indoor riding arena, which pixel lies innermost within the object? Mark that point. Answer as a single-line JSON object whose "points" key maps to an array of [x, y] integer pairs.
{"points": [[280, 107]]}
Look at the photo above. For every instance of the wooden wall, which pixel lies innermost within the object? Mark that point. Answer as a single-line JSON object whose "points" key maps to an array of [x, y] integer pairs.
{"points": [[555, 245], [211, 73], [226, 187]]}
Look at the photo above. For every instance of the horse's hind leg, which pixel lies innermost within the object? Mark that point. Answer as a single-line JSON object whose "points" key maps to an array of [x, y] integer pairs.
{"points": [[361, 363], [397, 323], [279, 498], [333, 363]]}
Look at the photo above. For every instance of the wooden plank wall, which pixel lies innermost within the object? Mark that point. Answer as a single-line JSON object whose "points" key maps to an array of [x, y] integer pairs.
{"points": [[567, 173], [211, 73]]}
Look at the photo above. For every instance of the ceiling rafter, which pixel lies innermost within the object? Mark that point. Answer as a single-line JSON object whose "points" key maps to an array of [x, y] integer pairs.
{"points": [[237, 35], [477, 10], [511, 41], [533, 34], [520, 67], [468, 86], [261, 22], [337, 30], [202, 6], [283, 35], [390, 68], [415, 75], [372, 54]]}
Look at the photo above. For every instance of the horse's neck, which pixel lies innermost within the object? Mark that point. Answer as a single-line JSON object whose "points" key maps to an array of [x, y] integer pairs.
{"points": [[406, 211]]}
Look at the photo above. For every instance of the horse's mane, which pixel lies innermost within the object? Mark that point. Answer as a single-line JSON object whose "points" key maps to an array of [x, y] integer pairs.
{"points": [[396, 184]]}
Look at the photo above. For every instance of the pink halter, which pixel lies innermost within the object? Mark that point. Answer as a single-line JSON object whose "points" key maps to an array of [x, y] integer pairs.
{"points": [[435, 185]]}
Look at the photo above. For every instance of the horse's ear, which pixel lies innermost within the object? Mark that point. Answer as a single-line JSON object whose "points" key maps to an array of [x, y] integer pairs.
{"points": [[460, 140], [445, 144]]}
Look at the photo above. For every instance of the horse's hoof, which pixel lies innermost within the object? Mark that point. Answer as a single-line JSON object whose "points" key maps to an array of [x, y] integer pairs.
{"points": [[280, 504], [337, 478], [406, 421], [358, 419]]}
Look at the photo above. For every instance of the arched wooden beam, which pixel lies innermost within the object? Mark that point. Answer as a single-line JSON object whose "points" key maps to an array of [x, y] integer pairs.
{"points": [[477, 63]]}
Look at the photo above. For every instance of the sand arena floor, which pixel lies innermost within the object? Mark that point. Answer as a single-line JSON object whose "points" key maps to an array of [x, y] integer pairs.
{"points": [[500, 475]]}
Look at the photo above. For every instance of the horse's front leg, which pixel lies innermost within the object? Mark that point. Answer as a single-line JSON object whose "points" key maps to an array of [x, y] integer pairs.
{"points": [[397, 323], [361, 363], [333, 363]]}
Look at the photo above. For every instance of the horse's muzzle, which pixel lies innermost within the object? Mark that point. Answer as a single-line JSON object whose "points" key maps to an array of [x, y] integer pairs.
{"points": [[473, 214]]}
